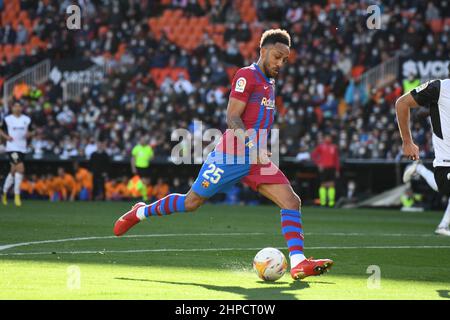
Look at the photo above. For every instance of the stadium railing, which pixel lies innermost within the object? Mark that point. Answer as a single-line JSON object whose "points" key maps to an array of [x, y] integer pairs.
{"points": [[383, 74], [34, 75]]}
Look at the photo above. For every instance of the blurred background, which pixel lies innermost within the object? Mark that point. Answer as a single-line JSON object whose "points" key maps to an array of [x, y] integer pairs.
{"points": [[135, 71]]}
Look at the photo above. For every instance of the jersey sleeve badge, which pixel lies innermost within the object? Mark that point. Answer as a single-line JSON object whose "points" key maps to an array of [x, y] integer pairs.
{"points": [[240, 84]]}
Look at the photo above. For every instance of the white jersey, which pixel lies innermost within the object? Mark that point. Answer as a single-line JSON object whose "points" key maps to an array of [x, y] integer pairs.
{"points": [[17, 128], [435, 95]]}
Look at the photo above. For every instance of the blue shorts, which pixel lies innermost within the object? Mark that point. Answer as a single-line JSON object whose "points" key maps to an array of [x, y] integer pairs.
{"points": [[221, 171], [218, 174]]}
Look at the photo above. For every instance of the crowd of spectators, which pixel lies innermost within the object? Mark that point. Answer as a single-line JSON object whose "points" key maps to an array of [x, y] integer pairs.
{"points": [[319, 90]]}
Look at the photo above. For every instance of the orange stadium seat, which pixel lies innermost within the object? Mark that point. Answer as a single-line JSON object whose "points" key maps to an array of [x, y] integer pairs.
{"points": [[357, 71], [23, 15], [163, 21], [28, 25], [35, 40], [176, 13], [437, 25], [182, 22], [15, 23], [197, 31], [209, 29], [28, 48], [7, 48], [219, 28], [174, 73], [152, 23], [203, 21], [102, 30], [231, 72], [292, 56], [9, 17], [17, 49]]}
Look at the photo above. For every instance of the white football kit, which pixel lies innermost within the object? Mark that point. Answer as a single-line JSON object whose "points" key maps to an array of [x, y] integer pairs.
{"points": [[435, 95], [17, 128]]}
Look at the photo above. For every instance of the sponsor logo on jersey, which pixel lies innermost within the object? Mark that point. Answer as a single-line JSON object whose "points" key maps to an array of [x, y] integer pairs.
{"points": [[240, 84], [269, 103]]}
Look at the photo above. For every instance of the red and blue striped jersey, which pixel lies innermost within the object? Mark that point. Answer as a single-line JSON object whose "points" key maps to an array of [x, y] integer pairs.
{"points": [[250, 85]]}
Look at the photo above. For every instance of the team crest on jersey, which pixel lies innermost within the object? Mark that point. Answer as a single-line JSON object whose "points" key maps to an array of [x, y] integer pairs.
{"points": [[205, 184], [422, 86], [240, 84]]}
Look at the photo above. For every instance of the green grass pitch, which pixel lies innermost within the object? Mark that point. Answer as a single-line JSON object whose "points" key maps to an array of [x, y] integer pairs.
{"points": [[208, 254]]}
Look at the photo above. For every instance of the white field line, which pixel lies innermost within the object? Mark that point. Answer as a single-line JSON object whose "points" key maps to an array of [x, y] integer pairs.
{"points": [[339, 234], [216, 249], [14, 245]]}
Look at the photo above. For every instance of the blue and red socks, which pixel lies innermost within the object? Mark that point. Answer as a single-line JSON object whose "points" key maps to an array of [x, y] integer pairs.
{"points": [[172, 203], [291, 226]]}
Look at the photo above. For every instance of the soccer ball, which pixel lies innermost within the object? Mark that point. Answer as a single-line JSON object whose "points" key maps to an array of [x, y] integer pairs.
{"points": [[270, 264]]}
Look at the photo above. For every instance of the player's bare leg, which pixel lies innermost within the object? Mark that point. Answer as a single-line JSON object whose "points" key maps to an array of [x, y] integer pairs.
{"points": [[9, 182], [18, 177], [284, 196], [193, 201], [418, 168], [172, 203]]}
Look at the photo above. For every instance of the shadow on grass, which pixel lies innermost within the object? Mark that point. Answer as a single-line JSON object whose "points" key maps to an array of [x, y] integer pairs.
{"points": [[267, 290], [444, 293]]}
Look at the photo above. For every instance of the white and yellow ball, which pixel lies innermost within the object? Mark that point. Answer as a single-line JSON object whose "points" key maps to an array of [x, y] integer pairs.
{"points": [[270, 264]]}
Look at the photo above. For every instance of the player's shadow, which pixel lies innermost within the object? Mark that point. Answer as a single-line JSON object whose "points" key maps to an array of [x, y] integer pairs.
{"points": [[275, 290], [444, 293]]}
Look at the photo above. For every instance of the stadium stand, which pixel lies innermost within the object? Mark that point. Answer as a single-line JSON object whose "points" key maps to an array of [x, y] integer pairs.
{"points": [[170, 63]]}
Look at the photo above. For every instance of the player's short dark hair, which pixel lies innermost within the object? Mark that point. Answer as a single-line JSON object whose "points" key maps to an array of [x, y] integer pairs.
{"points": [[273, 36]]}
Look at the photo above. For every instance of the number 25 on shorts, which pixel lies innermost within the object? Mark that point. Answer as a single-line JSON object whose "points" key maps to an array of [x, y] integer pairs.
{"points": [[216, 173]]}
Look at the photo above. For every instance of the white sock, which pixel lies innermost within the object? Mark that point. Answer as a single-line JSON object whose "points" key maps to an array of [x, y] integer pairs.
{"points": [[427, 175], [140, 213], [8, 183], [17, 181], [445, 222], [296, 259]]}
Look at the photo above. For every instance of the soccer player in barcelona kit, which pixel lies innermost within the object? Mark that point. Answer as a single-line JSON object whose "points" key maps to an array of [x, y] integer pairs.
{"points": [[241, 156]]}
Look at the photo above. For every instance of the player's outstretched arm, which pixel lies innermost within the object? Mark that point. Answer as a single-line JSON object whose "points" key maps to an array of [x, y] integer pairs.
{"points": [[402, 108], [234, 121], [235, 109], [30, 131], [3, 131]]}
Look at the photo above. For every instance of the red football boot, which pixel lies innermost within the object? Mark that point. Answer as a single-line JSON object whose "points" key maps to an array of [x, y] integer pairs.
{"points": [[129, 219], [310, 267]]}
